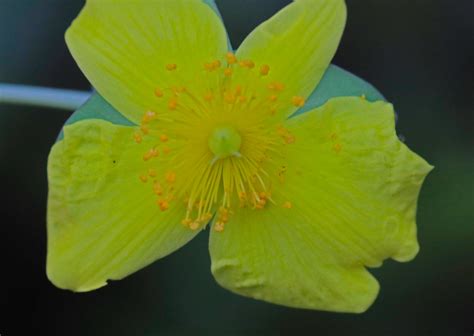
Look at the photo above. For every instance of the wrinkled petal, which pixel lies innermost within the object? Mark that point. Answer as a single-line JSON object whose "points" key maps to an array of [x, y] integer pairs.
{"points": [[123, 47], [103, 221], [353, 189], [298, 44]]}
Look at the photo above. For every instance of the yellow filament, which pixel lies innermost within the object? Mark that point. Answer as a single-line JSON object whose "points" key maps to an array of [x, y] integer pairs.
{"points": [[215, 182]]}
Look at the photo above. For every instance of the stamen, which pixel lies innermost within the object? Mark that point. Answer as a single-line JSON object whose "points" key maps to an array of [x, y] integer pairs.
{"points": [[208, 96], [298, 101], [163, 204], [173, 104], [264, 70], [171, 177], [273, 98], [138, 138], [232, 114], [287, 205], [158, 93], [145, 129], [231, 59], [171, 67], [276, 86], [150, 154], [148, 116], [247, 64], [157, 189], [187, 221], [228, 72]]}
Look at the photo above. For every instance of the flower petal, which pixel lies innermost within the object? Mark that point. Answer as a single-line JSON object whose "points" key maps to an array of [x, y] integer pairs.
{"points": [[353, 188], [123, 47], [298, 44], [103, 222]]}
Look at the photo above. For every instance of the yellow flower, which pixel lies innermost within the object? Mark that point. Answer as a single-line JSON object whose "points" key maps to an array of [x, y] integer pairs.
{"points": [[298, 207]]}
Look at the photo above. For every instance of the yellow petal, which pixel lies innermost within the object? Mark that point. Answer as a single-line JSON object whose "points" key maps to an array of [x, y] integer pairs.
{"points": [[128, 49], [348, 201], [297, 44], [103, 221]]}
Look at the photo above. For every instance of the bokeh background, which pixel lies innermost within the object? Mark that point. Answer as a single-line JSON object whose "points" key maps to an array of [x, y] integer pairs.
{"points": [[419, 53]]}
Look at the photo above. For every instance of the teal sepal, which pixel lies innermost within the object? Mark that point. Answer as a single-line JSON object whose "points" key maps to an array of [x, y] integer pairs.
{"points": [[338, 82], [97, 108]]}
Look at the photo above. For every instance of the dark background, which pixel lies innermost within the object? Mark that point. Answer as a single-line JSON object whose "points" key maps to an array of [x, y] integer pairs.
{"points": [[420, 54]]}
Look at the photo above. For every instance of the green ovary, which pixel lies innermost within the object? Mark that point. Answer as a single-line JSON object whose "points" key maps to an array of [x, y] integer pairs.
{"points": [[224, 141]]}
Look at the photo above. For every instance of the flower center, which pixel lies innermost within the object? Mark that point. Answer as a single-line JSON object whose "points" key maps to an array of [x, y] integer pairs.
{"points": [[225, 141], [214, 141]]}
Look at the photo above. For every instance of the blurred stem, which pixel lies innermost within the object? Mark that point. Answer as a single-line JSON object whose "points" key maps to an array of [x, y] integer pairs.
{"points": [[42, 96]]}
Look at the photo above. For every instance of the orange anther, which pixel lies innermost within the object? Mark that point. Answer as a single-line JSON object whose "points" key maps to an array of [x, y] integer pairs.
{"points": [[228, 72], [137, 137], [143, 178], [178, 89], [194, 225], [289, 139], [148, 116], [209, 67], [273, 98], [173, 104], [171, 67], [158, 93], [212, 65], [229, 97], [206, 217], [298, 101], [287, 205], [264, 70], [247, 64], [170, 177], [157, 189], [186, 222], [219, 226], [231, 59], [276, 86], [208, 96], [150, 154], [144, 129], [164, 138], [163, 204], [152, 173], [238, 90]]}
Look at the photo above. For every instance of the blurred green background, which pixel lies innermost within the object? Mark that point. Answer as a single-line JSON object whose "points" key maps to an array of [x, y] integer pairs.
{"points": [[419, 53]]}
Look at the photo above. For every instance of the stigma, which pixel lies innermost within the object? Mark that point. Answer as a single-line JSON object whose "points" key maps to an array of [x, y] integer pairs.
{"points": [[225, 141], [213, 145]]}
